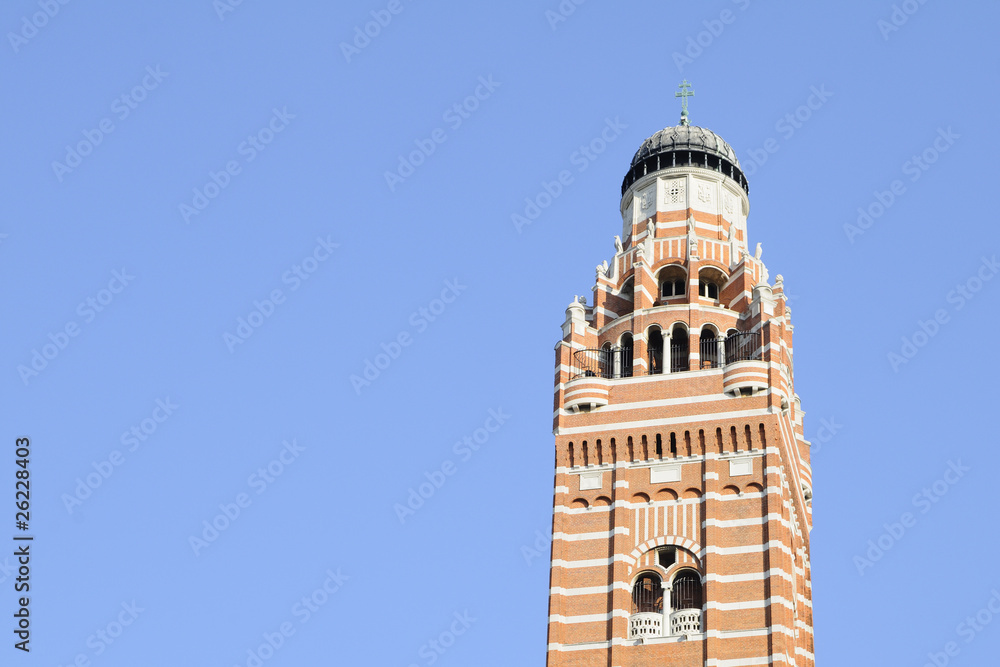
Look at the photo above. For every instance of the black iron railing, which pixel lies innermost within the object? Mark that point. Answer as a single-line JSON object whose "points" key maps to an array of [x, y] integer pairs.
{"points": [[685, 593], [647, 595], [709, 352], [616, 362], [680, 360], [743, 346]]}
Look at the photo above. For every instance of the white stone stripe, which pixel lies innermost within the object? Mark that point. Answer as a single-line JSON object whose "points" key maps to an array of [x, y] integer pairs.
{"points": [[589, 590], [750, 604], [610, 313], [588, 618], [687, 400], [746, 549], [740, 634], [747, 662], [588, 390], [589, 646], [593, 562], [664, 421], [750, 576], [599, 535], [683, 460], [740, 523], [759, 374]]}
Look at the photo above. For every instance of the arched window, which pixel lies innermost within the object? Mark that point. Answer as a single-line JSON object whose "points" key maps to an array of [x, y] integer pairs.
{"points": [[686, 591], [710, 282], [628, 290], [672, 280], [647, 595], [655, 345], [626, 355], [709, 349], [679, 350]]}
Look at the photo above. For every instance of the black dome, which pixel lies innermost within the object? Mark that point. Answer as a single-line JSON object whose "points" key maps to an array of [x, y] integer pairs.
{"points": [[685, 145]]}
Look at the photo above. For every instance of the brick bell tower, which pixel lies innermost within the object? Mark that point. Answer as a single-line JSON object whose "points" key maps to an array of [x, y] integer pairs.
{"points": [[682, 504]]}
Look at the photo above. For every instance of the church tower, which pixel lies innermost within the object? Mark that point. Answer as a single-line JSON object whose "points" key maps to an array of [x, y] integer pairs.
{"points": [[683, 490]]}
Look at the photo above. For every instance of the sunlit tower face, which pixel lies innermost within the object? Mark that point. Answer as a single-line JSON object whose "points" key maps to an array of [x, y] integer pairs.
{"points": [[683, 488]]}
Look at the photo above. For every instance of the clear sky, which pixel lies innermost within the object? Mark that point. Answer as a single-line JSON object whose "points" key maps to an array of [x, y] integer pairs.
{"points": [[216, 214]]}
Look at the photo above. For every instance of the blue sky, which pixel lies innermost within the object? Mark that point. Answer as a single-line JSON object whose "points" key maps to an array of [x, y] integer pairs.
{"points": [[201, 247]]}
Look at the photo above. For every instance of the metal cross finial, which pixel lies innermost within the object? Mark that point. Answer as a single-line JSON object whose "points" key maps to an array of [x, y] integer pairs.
{"points": [[684, 94]]}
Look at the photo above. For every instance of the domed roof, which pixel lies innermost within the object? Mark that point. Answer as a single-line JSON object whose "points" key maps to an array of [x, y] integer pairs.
{"points": [[685, 145], [683, 138]]}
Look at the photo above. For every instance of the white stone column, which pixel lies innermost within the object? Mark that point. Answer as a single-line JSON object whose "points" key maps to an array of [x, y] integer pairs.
{"points": [[667, 609], [665, 353]]}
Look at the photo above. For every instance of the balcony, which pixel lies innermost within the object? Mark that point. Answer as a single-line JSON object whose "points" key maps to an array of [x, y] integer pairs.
{"points": [[685, 622], [612, 363], [646, 624]]}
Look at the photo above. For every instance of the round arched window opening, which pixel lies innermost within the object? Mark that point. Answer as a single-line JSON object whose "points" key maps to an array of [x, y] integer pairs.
{"points": [[710, 282], [672, 282], [647, 595], [626, 355], [685, 593], [655, 348], [709, 349]]}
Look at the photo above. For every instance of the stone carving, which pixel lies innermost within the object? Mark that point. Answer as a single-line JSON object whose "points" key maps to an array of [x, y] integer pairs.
{"points": [[618, 245], [704, 193], [646, 201], [675, 192]]}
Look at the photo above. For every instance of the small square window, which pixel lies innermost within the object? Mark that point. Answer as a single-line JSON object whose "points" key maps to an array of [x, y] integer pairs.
{"points": [[667, 556]]}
